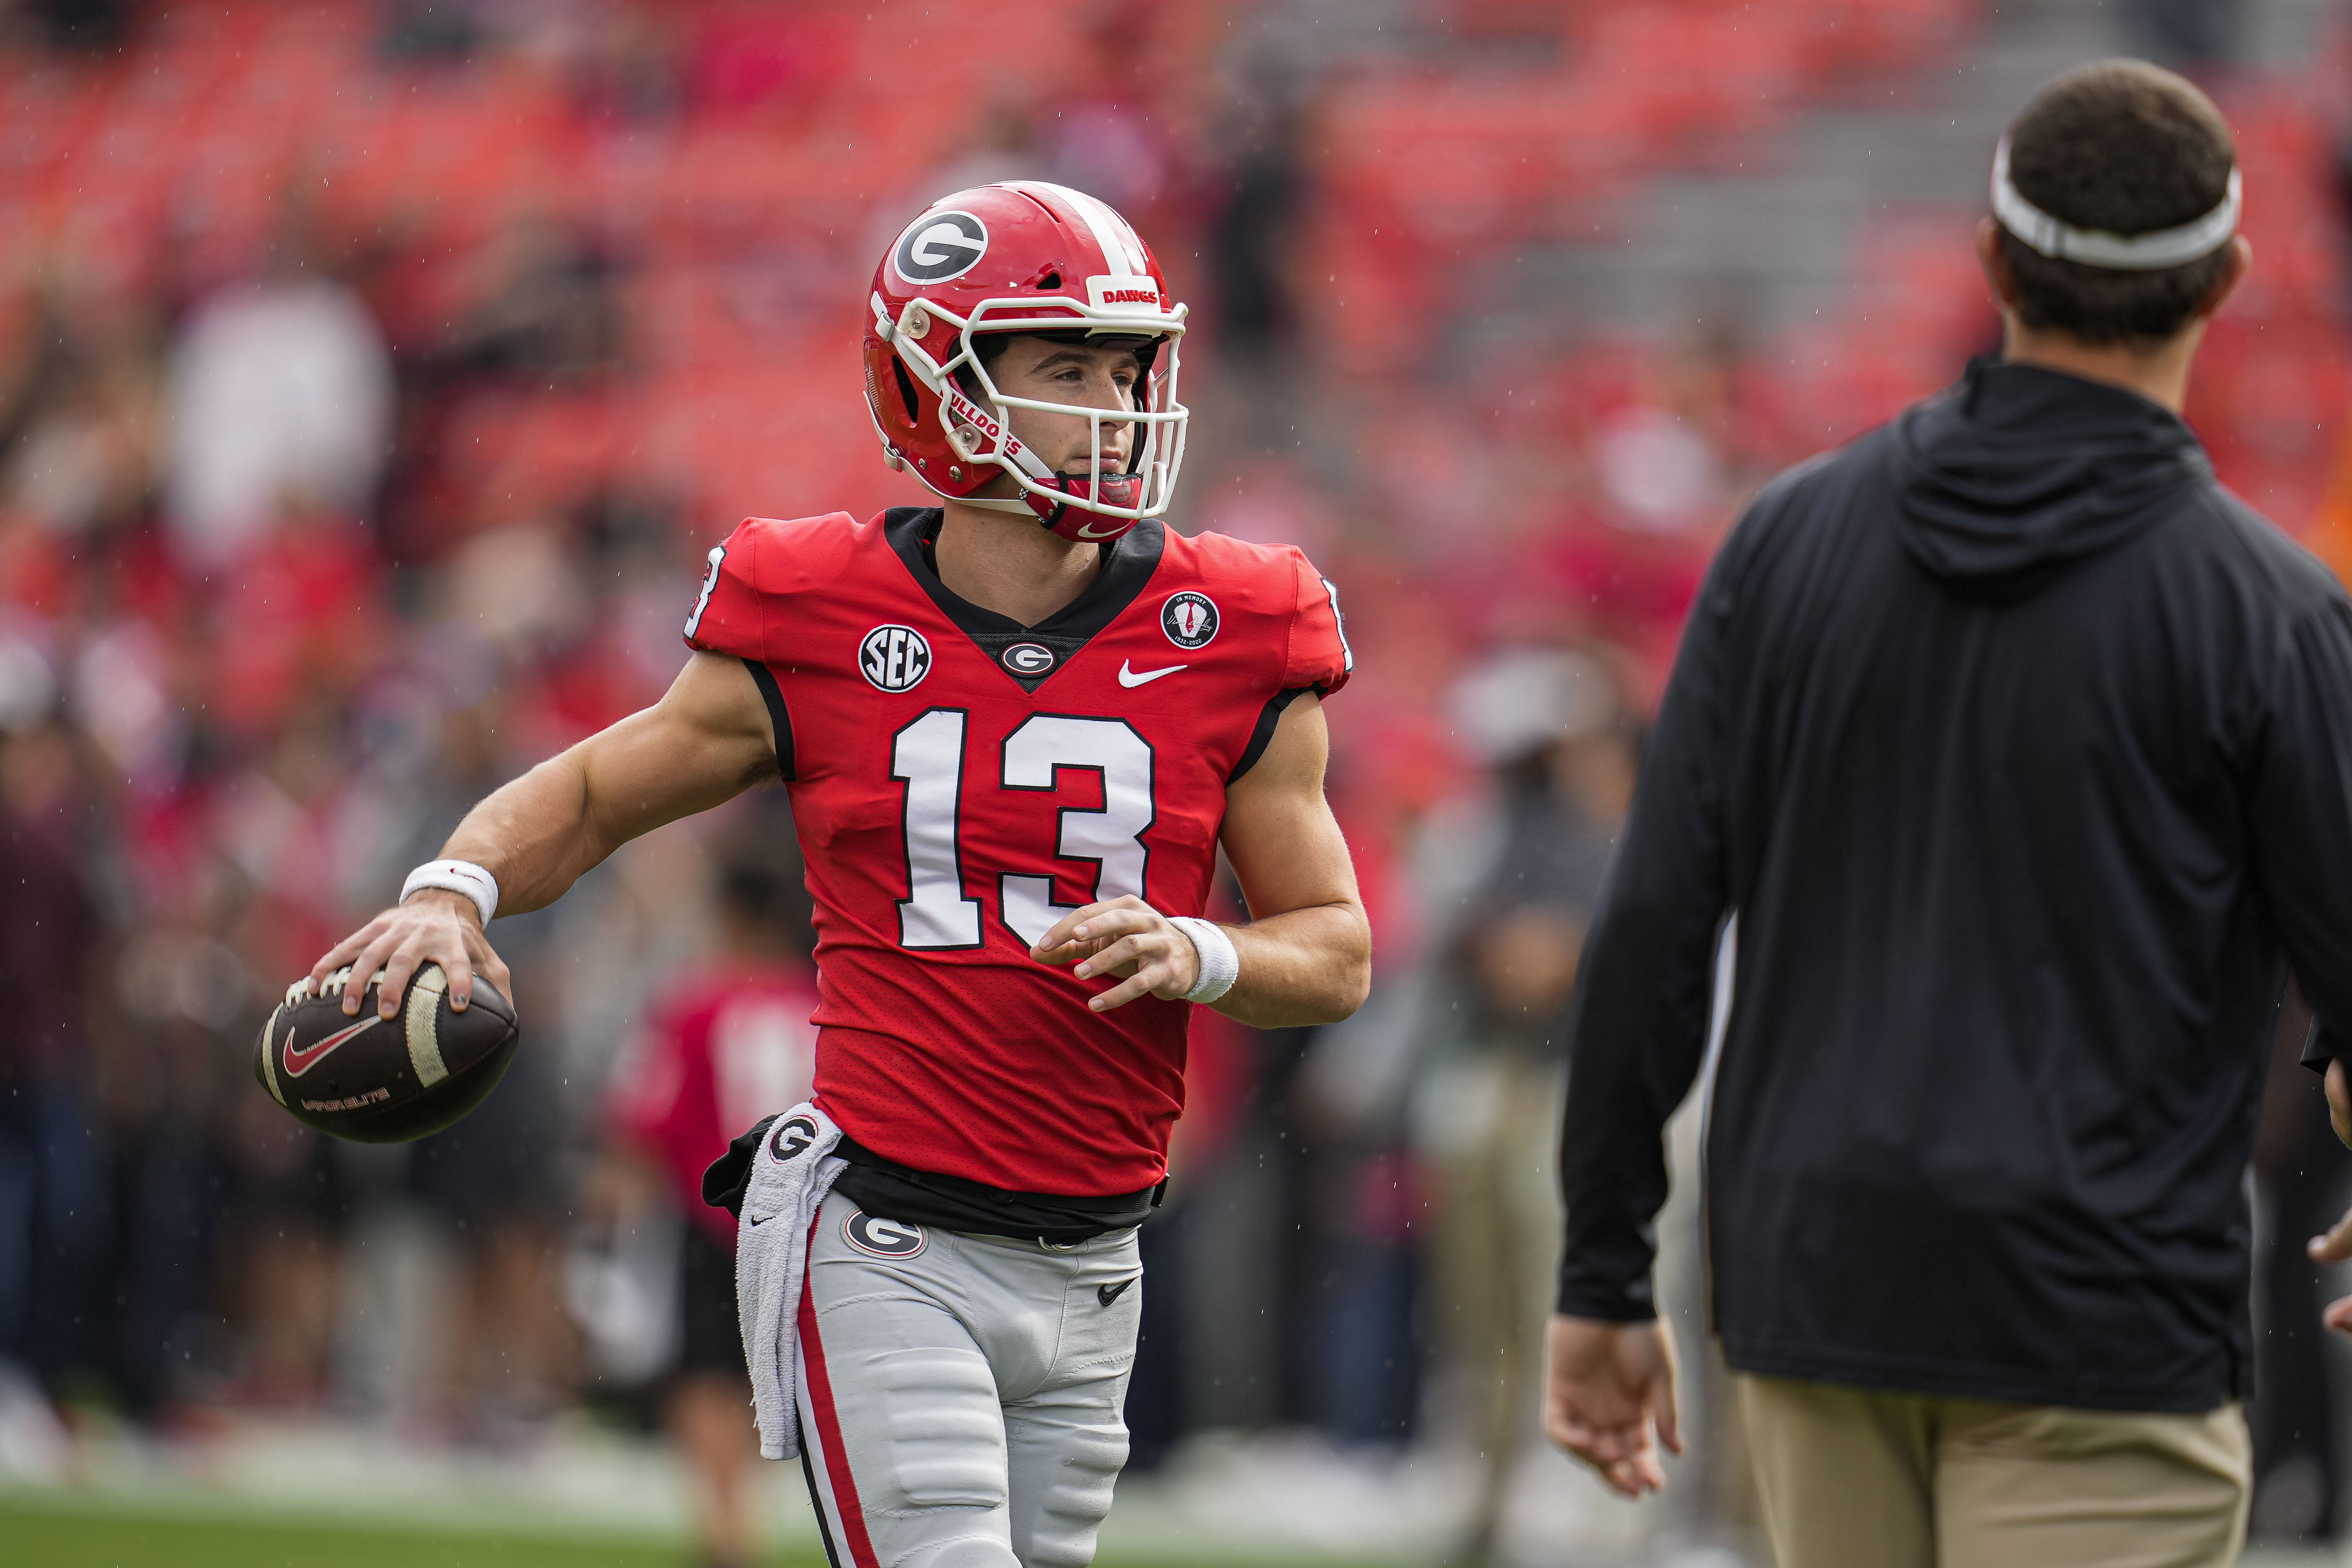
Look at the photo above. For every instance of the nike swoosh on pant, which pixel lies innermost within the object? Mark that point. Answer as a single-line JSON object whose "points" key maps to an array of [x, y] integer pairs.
{"points": [[1127, 675], [1107, 1294]]}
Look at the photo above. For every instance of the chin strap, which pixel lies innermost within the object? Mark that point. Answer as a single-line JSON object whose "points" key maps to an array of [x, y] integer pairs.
{"points": [[1002, 446], [1084, 524]]}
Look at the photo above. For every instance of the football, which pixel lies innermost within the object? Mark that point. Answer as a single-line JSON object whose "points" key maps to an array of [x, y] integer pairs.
{"points": [[384, 1080]]}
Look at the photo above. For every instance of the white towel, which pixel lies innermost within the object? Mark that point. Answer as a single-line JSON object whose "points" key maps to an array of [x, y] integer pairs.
{"points": [[793, 1171]]}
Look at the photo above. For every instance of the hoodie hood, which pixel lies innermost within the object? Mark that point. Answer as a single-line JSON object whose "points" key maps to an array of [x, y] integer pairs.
{"points": [[2018, 472]]}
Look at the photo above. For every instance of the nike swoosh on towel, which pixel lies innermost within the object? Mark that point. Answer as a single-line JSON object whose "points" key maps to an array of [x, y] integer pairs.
{"points": [[1128, 677]]}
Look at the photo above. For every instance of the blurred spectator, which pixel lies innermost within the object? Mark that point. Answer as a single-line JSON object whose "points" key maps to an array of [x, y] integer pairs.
{"points": [[93, 26], [2188, 34], [543, 307], [722, 1049], [82, 464], [1249, 251], [1004, 146], [1662, 474], [1550, 729], [281, 397], [52, 1173]]}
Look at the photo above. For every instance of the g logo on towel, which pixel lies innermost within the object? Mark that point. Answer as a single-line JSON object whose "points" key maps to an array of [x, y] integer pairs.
{"points": [[880, 1238], [791, 1138]]}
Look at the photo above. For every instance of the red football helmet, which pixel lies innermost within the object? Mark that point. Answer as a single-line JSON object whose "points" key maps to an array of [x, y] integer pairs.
{"points": [[1021, 256]]}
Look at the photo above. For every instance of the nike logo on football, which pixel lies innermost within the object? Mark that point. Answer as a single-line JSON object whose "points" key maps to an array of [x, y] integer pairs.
{"points": [[298, 1062], [1107, 1294], [1128, 677]]}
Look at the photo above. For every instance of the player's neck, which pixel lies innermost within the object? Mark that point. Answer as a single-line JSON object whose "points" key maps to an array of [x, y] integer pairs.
{"points": [[2161, 373], [1003, 562]]}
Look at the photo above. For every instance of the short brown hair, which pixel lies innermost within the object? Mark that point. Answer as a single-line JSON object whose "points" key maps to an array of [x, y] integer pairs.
{"points": [[2129, 148]]}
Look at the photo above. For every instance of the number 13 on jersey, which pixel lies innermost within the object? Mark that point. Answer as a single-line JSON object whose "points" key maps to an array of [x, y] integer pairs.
{"points": [[927, 757]]}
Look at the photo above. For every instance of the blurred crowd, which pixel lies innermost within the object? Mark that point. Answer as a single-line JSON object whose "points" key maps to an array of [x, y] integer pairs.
{"points": [[373, 376]]}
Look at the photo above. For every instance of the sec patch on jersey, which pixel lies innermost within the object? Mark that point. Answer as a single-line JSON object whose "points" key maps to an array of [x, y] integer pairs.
{"points": [[372, 1080]]}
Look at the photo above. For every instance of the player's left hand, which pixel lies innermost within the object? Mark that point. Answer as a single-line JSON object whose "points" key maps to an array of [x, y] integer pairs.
{"points": [[1127, 938]]}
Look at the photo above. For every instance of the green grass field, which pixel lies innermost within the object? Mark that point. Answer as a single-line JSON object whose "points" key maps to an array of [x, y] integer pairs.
{"points": [[34, 1538], [33, 1535]]}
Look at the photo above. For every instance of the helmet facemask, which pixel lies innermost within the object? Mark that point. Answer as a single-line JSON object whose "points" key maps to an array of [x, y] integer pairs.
{"points": [[975, 413]]}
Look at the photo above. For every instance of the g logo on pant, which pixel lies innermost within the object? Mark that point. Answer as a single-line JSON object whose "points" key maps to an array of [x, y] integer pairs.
{"points": [[880, 1238]]}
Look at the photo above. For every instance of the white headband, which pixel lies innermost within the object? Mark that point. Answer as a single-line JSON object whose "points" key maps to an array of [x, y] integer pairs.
{"points": [[2097, 247]]}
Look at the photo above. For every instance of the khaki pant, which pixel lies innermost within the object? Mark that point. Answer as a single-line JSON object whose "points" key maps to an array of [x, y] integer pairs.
{"points": [[1858, 1477]]}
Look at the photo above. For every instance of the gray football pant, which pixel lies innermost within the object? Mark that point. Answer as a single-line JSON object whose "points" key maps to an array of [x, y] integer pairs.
{"points": [[961, 1406]]}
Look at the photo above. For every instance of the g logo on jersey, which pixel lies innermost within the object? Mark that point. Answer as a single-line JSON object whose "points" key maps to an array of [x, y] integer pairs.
{"points": [[938, 247], [880, 1238], [1028, 658], [791, 1138], [894, 659], [1189, 619]]}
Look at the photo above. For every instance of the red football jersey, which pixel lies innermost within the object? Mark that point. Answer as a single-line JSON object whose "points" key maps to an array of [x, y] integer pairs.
{"points": [[717, 1052], [961, 781]]}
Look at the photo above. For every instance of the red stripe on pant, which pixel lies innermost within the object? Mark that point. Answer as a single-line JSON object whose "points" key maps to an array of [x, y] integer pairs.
{"points": [[827, 1435]]}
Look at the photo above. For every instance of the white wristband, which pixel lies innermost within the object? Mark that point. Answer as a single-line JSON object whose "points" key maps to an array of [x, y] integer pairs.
{"points": [[1220, 964], [457, 877]]}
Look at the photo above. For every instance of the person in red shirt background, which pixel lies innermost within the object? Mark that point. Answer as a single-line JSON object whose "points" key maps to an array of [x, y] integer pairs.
{"points": [[725, 1045]]}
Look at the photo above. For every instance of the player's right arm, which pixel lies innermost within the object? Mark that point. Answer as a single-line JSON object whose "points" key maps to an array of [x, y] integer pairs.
{"points": [[707, 740]]}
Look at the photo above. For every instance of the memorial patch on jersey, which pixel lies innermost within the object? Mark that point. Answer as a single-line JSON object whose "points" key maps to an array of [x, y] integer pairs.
{"points": [[1190, 619], [880, 1238], [894, 659]]}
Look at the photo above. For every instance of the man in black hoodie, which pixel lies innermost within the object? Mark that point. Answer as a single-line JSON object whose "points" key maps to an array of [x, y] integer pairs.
{"points": [[2022, 753]]}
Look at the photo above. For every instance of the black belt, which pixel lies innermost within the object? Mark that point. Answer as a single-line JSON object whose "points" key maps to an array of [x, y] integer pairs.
{"points": [[893, 1191]]}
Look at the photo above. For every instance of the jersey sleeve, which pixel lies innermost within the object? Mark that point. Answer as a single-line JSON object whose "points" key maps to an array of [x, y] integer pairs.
{"points": [[1318, 655], [727, 616]]}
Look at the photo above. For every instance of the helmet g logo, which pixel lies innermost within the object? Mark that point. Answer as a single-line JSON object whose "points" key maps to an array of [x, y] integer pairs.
{"points": [[938, 247]]}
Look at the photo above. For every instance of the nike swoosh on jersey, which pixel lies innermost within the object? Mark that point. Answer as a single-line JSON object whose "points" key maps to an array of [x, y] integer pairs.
{"points": [[298, 1062], [1107, 1294], [1128, 677]]}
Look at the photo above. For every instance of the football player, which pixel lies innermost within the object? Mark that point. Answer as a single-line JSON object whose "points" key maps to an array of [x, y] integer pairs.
{"points": [[1017, 728]]}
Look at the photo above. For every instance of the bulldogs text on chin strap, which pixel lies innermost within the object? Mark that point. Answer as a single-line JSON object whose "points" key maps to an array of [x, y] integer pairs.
{"points": [[2150, 252], [1058, 517]]}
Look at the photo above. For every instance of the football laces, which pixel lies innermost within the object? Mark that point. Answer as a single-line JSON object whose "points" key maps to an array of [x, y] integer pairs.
{"points": [[300, 990]]}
